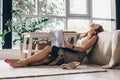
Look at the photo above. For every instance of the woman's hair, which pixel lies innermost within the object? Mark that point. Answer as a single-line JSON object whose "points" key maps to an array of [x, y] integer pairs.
{"points": [[100, 29]]}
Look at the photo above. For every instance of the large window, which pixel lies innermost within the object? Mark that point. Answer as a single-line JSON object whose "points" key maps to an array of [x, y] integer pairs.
{"points": [[71, 15]]}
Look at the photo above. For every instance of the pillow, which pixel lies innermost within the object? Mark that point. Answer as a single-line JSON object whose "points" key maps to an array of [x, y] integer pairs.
{"points": [[106, 51]]}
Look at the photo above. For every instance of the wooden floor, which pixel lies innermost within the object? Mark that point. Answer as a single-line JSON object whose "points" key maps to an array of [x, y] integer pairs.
{"points": [[111, 74]]}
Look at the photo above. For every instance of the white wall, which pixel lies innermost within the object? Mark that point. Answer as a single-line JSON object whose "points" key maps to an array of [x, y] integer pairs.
{"points": [[10, 53]]}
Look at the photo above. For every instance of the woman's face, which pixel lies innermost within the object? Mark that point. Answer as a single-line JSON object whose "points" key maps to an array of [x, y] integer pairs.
{"points": [[91, 32], [94, 26]]}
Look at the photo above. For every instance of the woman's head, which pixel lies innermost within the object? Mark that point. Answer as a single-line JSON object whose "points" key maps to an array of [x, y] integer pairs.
{"points": [[99, 29], [96, 28]]}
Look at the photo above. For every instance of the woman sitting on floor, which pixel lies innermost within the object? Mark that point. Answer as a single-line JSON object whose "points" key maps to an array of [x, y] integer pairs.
{"points": [[83, 46]]}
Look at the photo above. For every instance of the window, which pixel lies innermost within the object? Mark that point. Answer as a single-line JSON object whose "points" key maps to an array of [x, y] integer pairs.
{"points": [[75, 15], [78, 15], [27, 6], [103, 12], [78, 25], [52, 7], [55, 11], [78, 7]]}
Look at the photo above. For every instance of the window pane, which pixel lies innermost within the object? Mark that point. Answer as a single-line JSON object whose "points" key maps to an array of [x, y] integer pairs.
{"points": [[54, 24], [78, 6], [19, 27], [27, 6], [101, 8], [106, 24], [78, 25], [52, 7]]}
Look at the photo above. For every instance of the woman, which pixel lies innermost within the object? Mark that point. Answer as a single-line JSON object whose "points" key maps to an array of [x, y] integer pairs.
{"points": [[83, 45]]}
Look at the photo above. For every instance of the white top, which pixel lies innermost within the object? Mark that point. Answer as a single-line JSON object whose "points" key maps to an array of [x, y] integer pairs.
{"points": [[82, 42]]}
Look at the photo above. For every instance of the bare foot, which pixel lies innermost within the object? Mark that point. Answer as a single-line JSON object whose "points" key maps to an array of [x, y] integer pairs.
{"points": [[20, 63], [10, 61]]}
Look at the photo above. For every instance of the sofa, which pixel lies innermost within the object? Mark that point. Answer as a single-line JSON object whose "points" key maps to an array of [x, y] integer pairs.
{"points": [[106, 51]]}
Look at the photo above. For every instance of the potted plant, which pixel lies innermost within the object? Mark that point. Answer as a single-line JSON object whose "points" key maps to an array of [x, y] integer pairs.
{"points": [[22, 26]]}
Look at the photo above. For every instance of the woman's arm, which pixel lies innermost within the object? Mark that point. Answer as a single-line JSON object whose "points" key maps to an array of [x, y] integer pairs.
{"points": [[88, 45]]}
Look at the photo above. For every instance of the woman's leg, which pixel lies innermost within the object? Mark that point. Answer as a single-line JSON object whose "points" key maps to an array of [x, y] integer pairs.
{"points": [[34, 58], [44, 61]]}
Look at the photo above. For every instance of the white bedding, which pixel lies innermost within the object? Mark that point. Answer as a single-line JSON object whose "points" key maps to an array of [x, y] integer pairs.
{"points": [[107, 49]]}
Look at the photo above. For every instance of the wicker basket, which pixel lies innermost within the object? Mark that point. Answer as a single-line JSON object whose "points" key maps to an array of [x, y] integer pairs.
{"points": [[42, 44]]}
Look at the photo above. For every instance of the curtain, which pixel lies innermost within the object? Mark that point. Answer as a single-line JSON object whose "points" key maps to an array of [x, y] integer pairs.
{"points": [[7, 15], [117, 14]]}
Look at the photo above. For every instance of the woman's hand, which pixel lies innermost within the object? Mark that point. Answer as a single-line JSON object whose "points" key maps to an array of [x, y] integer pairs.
{"points": [[82, 35], [67, 45]]}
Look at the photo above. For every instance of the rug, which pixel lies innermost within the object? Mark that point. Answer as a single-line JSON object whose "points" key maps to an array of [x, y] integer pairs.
{"points": [[7, 72]]}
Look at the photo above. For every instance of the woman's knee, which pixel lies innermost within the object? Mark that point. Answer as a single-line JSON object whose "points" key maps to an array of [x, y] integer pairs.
{"points": [[48, 47]]}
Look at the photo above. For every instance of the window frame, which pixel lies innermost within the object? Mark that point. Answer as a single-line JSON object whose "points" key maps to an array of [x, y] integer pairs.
{"points": [[72, 16]]}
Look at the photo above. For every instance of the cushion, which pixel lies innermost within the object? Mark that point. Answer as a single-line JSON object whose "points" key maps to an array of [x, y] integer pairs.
{"points": [[106, 51]]}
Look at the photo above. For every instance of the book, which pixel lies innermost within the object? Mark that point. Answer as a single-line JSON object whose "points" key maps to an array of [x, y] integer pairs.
{"points": [[57, 38]]}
